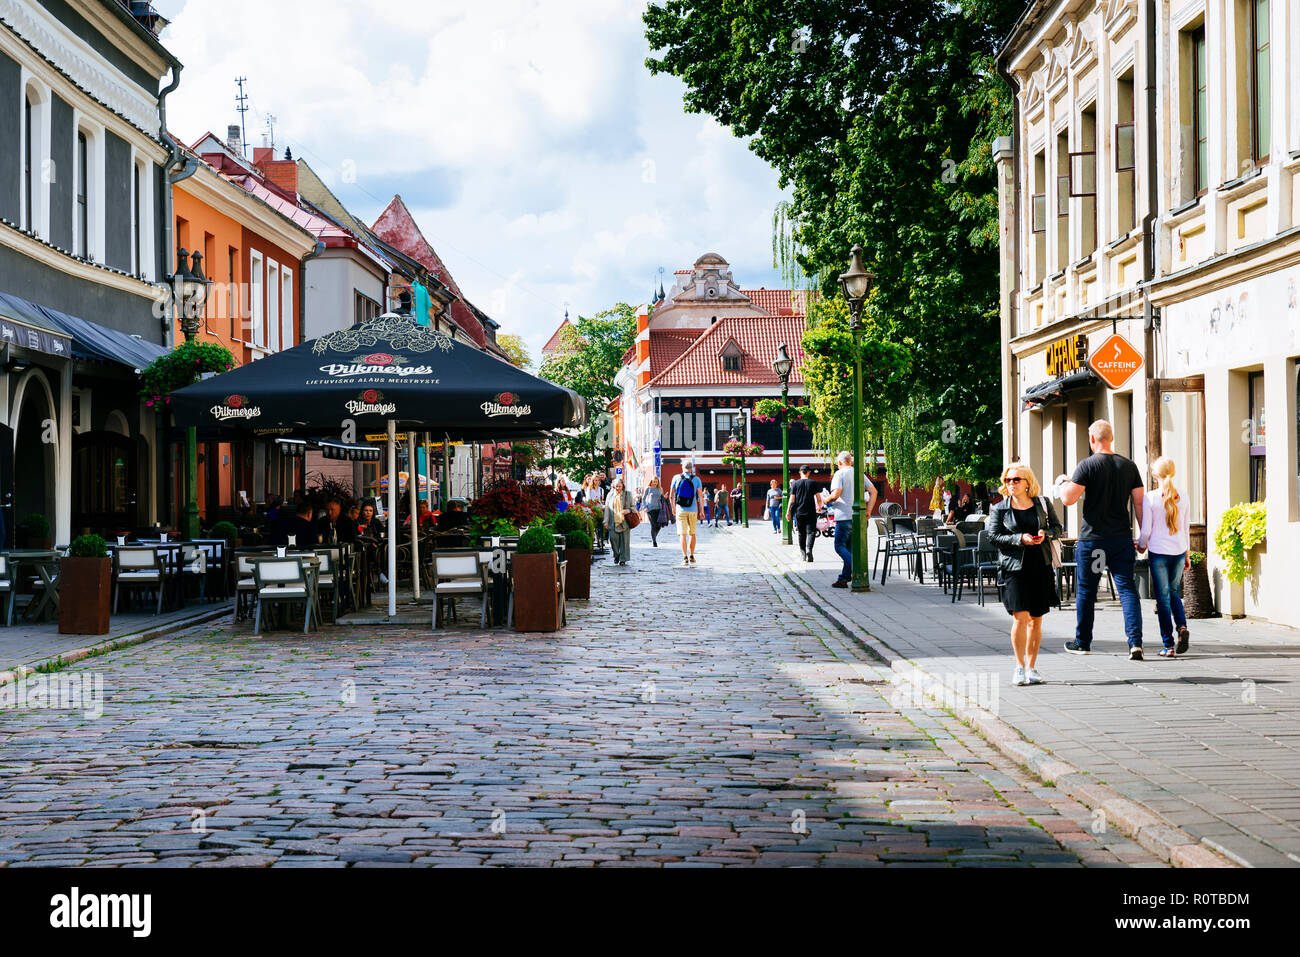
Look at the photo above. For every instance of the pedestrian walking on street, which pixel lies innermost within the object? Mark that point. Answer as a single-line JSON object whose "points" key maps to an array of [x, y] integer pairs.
{"points": [[803, 509], [840, 503], [1022, 527], [720, 509], [656, 509], [687, 496], [773, 505], [737, 503], [1166, 532], [1107, 482], [618, 502]]}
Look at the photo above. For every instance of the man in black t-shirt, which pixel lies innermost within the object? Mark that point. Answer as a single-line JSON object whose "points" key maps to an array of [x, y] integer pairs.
{"points": [[1107, 482], [802, 510], [298, 525]]}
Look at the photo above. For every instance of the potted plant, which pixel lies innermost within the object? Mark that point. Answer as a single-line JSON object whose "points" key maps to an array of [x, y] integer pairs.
{"points": [[577, 550], [536, 574], [34, 531], [1198, 601], [1242, 528], [228, 532], [85, 587]]}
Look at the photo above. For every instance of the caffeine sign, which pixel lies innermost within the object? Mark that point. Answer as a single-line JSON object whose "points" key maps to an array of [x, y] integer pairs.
{"points": [[1115, 361]]}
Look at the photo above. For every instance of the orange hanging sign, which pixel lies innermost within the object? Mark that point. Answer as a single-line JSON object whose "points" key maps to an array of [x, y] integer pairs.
{"points": [[1115, 361]]}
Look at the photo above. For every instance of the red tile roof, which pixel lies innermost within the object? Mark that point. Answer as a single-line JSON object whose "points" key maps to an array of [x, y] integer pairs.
{"points": [[758, 337], [779, 302], [553, 343], [667, 346]]}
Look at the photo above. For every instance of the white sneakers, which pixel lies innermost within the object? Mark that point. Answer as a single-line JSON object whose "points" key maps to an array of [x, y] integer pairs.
{"points": [[1026, 676]]}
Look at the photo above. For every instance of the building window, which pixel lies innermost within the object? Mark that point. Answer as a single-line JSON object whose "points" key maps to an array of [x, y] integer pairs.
{"points": [[366, 308], [83, 207], [1083, 179], [1257, 435], [1062, 257], [287, 339], [1260, 98], [257, 305], [1200, 114], [1038, 219], [137, 214], [273, 305], [234, 303], [29, 219], [731, 363], [1125, 157], [724, 423]]}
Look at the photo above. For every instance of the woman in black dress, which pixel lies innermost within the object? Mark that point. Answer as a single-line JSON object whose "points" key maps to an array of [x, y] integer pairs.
{"points": [[1021, 526]]}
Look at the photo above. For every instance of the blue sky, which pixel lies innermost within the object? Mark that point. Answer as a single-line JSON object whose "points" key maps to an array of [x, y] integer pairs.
{"points": [[542, 160]]}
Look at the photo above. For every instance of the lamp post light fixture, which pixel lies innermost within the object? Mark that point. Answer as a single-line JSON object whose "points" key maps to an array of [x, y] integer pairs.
{"points": [[783, 365], [856, 284], [190, 294]]}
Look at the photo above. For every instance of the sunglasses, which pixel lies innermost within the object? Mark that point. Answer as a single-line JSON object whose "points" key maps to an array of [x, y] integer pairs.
{"points": [[1008, 481]]}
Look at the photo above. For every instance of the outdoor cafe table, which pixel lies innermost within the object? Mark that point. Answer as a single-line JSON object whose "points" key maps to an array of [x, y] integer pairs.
{"points": [[45, 562]]}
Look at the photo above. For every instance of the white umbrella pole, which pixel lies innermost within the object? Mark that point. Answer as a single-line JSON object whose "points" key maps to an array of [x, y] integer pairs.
{"points": [[428, 469], [414, 481], [392, 519]]}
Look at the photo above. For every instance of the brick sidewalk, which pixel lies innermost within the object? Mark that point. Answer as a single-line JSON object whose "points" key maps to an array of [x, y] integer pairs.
{"points": [[1210, 742]]}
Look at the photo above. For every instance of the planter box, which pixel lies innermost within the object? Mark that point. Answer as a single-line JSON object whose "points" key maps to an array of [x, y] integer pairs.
{"points": [[577, 584], [537, 598], [1198, 601], [85, 595]]}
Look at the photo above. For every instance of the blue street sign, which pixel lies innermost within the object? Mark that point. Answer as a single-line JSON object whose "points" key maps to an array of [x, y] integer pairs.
{"points": [[619, 470]]}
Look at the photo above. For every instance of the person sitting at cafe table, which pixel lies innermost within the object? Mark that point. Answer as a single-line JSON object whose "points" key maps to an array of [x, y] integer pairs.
{"points": [[299, 526], [454, 517], [961, 510], [335, 526], [369, 523]]}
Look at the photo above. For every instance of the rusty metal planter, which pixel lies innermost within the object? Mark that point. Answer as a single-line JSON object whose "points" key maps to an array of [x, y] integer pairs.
{"points": [[537, 597], [85, 595], [578, 582]]}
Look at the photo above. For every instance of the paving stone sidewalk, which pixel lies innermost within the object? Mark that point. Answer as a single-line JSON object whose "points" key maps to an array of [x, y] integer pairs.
{"points": [[690, 717], [1210, 741]]}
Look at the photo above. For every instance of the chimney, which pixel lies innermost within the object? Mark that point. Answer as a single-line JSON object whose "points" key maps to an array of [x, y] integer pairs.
{"points": [[263, 155], [233, 139]]}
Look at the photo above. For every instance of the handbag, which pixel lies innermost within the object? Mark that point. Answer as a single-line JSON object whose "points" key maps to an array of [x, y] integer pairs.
{"points": [[631, 519], [1053, 543]]}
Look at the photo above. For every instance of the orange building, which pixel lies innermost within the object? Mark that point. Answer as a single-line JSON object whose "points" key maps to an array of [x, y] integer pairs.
{"points": [[252, 255]]}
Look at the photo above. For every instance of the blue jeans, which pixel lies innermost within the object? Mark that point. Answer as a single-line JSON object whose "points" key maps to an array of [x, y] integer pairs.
{"points": [[843, 533], [776, 520], [1092, 559], [1167, 583]]}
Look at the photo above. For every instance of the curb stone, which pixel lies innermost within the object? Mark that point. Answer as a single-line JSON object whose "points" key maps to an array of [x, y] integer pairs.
{"points": [[113, 644], [1168, 842]]}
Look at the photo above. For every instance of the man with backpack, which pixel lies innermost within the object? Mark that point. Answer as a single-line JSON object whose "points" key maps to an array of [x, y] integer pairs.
{"points": [[687, 494]]}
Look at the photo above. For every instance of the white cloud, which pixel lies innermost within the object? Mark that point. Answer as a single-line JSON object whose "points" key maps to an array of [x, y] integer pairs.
{"points": [[542, 160]]}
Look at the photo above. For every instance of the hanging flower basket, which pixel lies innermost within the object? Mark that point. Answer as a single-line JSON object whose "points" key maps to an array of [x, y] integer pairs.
{"points": [[183, 366]]}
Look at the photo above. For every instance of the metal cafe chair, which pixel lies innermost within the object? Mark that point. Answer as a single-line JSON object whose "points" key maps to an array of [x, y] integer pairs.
{"points": [[903, 543], [194, 564], [327, 583], [986, 563], [140, 569], [457, 575], [215, 550], [8, 589], [281, 581]]}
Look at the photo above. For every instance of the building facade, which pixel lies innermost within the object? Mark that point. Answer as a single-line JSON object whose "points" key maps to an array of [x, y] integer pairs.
{"points": [[1150, 189], [83, 237]]}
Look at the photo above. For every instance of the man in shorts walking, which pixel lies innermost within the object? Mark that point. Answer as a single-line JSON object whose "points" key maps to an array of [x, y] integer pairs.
{"points": [[687, 495]]}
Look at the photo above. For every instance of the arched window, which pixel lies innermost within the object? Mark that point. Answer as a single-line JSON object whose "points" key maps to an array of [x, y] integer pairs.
{"points": [[29, 219]]}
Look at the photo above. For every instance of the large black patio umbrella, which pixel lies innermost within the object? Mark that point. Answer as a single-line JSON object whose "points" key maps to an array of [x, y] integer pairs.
{"points": [[389, 371]]}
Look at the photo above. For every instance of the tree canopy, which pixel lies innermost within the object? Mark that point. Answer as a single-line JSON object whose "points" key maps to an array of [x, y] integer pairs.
{"points": [[590, 354], [515, 349], [879, 117]]}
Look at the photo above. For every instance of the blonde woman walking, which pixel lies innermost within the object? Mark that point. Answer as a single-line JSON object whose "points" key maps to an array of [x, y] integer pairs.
{"points": [[1020, 526], [1165, 531], [617, 503]]}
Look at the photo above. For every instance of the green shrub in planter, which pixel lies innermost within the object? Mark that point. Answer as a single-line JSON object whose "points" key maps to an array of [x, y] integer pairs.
{"points": [[37, 525], [566, 523], [1242, 528], [578, 538], [536, 540], [1196, 558], [88, 546], [226, 531]]}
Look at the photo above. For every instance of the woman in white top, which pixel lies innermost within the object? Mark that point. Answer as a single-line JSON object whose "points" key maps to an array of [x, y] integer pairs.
{"points": [[1165, 522]]}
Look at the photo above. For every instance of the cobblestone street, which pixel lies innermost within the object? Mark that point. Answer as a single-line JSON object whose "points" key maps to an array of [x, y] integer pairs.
{"points": [[688, 717]]}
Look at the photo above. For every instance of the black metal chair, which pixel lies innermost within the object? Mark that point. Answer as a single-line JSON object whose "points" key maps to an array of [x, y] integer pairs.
{"points": [[903, 543], [986, 563]]}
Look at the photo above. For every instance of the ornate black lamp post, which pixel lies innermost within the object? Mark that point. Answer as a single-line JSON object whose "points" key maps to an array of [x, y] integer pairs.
{"points": [[783, 364], [857, 284], [190, 294]]}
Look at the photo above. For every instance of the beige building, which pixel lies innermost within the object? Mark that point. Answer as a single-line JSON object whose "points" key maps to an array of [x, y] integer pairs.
{"points": [[1149, 189]]}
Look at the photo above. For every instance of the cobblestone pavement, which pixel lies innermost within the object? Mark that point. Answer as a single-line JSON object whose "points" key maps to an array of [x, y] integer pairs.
{"points": [[1210, 741], [688, 717]]}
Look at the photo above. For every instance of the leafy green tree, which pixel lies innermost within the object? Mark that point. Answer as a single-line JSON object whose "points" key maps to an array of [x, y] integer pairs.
{"points": [[515, 349], [590, 355], [879, 116]]}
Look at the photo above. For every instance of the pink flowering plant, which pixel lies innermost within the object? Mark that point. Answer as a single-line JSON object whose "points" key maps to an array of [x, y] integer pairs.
{"points": [[771, 410], [181, 367]]}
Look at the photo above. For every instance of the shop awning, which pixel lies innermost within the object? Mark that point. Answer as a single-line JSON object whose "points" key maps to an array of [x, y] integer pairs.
{"points": [[22, 323], [1058, 390], [48, 330]]}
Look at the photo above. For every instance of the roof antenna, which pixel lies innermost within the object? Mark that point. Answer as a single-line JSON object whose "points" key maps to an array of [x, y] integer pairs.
{"points": [[241, 105]]}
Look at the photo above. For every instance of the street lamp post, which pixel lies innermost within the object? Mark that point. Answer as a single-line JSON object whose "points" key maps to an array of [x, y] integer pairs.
{"points": [[742, 503], [857, 284], [782, 365], [190, 290]]}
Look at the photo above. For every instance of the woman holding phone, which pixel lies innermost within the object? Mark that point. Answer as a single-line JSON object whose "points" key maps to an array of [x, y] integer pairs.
{"points": [[1021, 526]]}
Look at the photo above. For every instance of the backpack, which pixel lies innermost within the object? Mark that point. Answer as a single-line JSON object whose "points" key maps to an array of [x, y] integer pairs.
{"points": [[685, 492]]}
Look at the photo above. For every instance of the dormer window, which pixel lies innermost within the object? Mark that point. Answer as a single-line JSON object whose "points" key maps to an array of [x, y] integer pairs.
{"points": [[732, 357]]}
